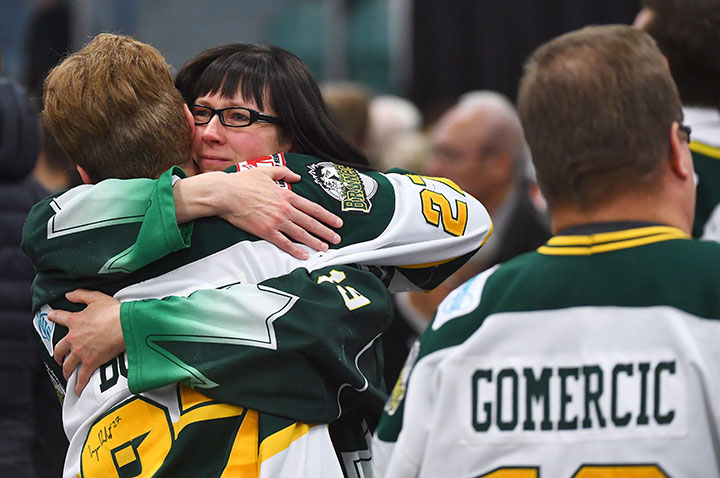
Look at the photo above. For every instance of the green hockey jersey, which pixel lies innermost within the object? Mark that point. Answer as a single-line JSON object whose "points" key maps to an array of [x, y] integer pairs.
{"points": [[311, 370], [299, 341], [595, 356]]}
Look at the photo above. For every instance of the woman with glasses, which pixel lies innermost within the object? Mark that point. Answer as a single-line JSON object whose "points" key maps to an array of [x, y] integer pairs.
{"points": [[275, 105], [248, 101]]}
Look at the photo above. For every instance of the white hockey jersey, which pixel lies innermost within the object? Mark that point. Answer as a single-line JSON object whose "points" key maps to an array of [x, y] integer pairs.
{"points": [[595, 356]]}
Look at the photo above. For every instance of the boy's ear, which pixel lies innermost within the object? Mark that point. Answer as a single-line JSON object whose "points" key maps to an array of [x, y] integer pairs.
{"points": [[84, 175]]}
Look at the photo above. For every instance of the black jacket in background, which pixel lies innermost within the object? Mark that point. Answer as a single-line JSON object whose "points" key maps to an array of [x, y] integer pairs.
{"points": [[32, 442]]}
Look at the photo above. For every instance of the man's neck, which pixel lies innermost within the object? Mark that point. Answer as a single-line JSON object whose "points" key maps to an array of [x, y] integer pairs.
{"points": [[628, 207]]}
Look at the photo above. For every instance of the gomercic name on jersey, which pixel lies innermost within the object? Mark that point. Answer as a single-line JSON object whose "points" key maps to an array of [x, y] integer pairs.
{"points": [[636, 395]]}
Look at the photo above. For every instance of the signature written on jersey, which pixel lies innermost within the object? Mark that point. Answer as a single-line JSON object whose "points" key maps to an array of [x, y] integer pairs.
{"points": [[104, 435]]}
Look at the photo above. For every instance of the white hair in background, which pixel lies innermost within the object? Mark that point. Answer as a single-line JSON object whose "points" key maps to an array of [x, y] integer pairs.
{"points": [[504, 108], [409, 150], [488, 97], [389, 116]]}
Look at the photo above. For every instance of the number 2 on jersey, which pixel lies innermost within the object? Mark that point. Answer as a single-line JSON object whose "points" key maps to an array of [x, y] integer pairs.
{"points": [[437, 209]]}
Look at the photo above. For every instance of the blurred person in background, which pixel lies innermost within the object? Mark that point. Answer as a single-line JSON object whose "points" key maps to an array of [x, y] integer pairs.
{"points": [[389, 116], [48, 39], [406, 150], [32, 442], [348, 104], [687, 32], [478, 144]]}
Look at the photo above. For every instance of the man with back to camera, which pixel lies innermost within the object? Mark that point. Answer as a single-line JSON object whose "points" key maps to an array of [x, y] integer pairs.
{"points": [[597, 354], [275, 349], [687, 32]]}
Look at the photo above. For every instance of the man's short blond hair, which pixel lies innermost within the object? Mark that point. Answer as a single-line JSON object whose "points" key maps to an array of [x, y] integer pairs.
{"points": [[113, 109]]}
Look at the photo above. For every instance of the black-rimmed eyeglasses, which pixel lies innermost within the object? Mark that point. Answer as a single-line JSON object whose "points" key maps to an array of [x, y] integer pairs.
{"points": [[685, 129], [233, 117]]}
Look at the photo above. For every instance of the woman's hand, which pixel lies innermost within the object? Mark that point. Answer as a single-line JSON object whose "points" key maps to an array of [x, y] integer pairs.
{"points": [[252, 201], [94, 334]]}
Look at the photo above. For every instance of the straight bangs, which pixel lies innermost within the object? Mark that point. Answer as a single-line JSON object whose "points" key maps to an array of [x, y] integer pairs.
{"points": [[226, 74]]}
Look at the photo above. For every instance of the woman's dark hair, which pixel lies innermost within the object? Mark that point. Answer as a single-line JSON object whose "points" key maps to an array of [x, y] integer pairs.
{"points": [[273, 76]]}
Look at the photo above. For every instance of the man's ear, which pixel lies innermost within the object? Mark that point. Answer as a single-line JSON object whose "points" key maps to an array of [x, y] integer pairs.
{"points": [[84, 175], [189, 118], [680, 157]]}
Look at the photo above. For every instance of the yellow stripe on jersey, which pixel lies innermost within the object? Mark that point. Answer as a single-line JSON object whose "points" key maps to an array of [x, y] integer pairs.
{"points": [[609, 241], [705, 149], [243, 460], [282, 440], [586, 240]]}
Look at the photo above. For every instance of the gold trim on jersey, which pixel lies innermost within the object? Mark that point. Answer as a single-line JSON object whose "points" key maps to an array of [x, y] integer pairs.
{"points": [[437, 263], [705, 149], [281, 441], [586, 245], [197, 407]]}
